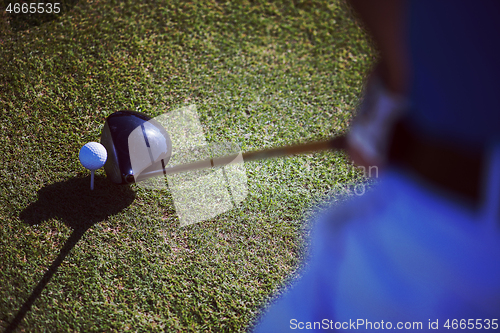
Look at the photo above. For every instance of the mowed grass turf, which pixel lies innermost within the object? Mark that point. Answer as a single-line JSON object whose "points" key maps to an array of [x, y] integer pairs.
{"points": [[262, 74]]}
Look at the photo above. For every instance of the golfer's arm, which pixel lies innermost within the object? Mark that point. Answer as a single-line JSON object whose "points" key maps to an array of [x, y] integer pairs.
{"points": [[386, 22]]}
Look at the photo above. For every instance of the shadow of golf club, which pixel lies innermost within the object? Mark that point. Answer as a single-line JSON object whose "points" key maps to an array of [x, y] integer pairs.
{"points": [[79, 208]]}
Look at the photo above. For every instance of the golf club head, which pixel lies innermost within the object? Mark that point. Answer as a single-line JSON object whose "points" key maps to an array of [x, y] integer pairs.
{"points": [[134, 142]]}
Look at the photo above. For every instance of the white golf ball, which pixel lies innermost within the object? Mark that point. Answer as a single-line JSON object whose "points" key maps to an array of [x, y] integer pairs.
{"points": [[93, 155]]}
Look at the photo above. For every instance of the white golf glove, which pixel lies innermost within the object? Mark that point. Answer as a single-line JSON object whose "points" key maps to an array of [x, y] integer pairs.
{"points": [[370, 131]]}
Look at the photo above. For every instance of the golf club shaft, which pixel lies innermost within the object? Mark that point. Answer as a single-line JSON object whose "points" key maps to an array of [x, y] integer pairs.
{"points": [[336, 143]]}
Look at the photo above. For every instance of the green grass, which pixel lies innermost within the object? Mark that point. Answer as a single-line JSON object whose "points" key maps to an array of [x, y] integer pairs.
{"points": [[261, 74]]}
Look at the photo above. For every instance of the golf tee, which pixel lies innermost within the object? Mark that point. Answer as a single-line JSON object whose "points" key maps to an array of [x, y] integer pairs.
{"points": [[91, 179]]}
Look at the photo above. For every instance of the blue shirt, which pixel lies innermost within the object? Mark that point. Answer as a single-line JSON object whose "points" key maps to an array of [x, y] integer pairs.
{"points": [[455, 52]]}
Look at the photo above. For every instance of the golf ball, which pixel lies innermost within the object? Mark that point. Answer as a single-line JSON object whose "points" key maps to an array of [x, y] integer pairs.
{"points": [[93, 155]]}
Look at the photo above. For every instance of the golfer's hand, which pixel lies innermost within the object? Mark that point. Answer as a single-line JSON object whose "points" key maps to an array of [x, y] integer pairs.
{"points": [[368, 139]]}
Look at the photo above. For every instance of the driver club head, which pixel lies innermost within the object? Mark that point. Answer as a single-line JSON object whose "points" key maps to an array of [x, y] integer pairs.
{"points": [[134, 142]]}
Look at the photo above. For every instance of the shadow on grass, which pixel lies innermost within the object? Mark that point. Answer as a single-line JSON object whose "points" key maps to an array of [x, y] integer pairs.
{"points": [[79, 208], [73, 203]]}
